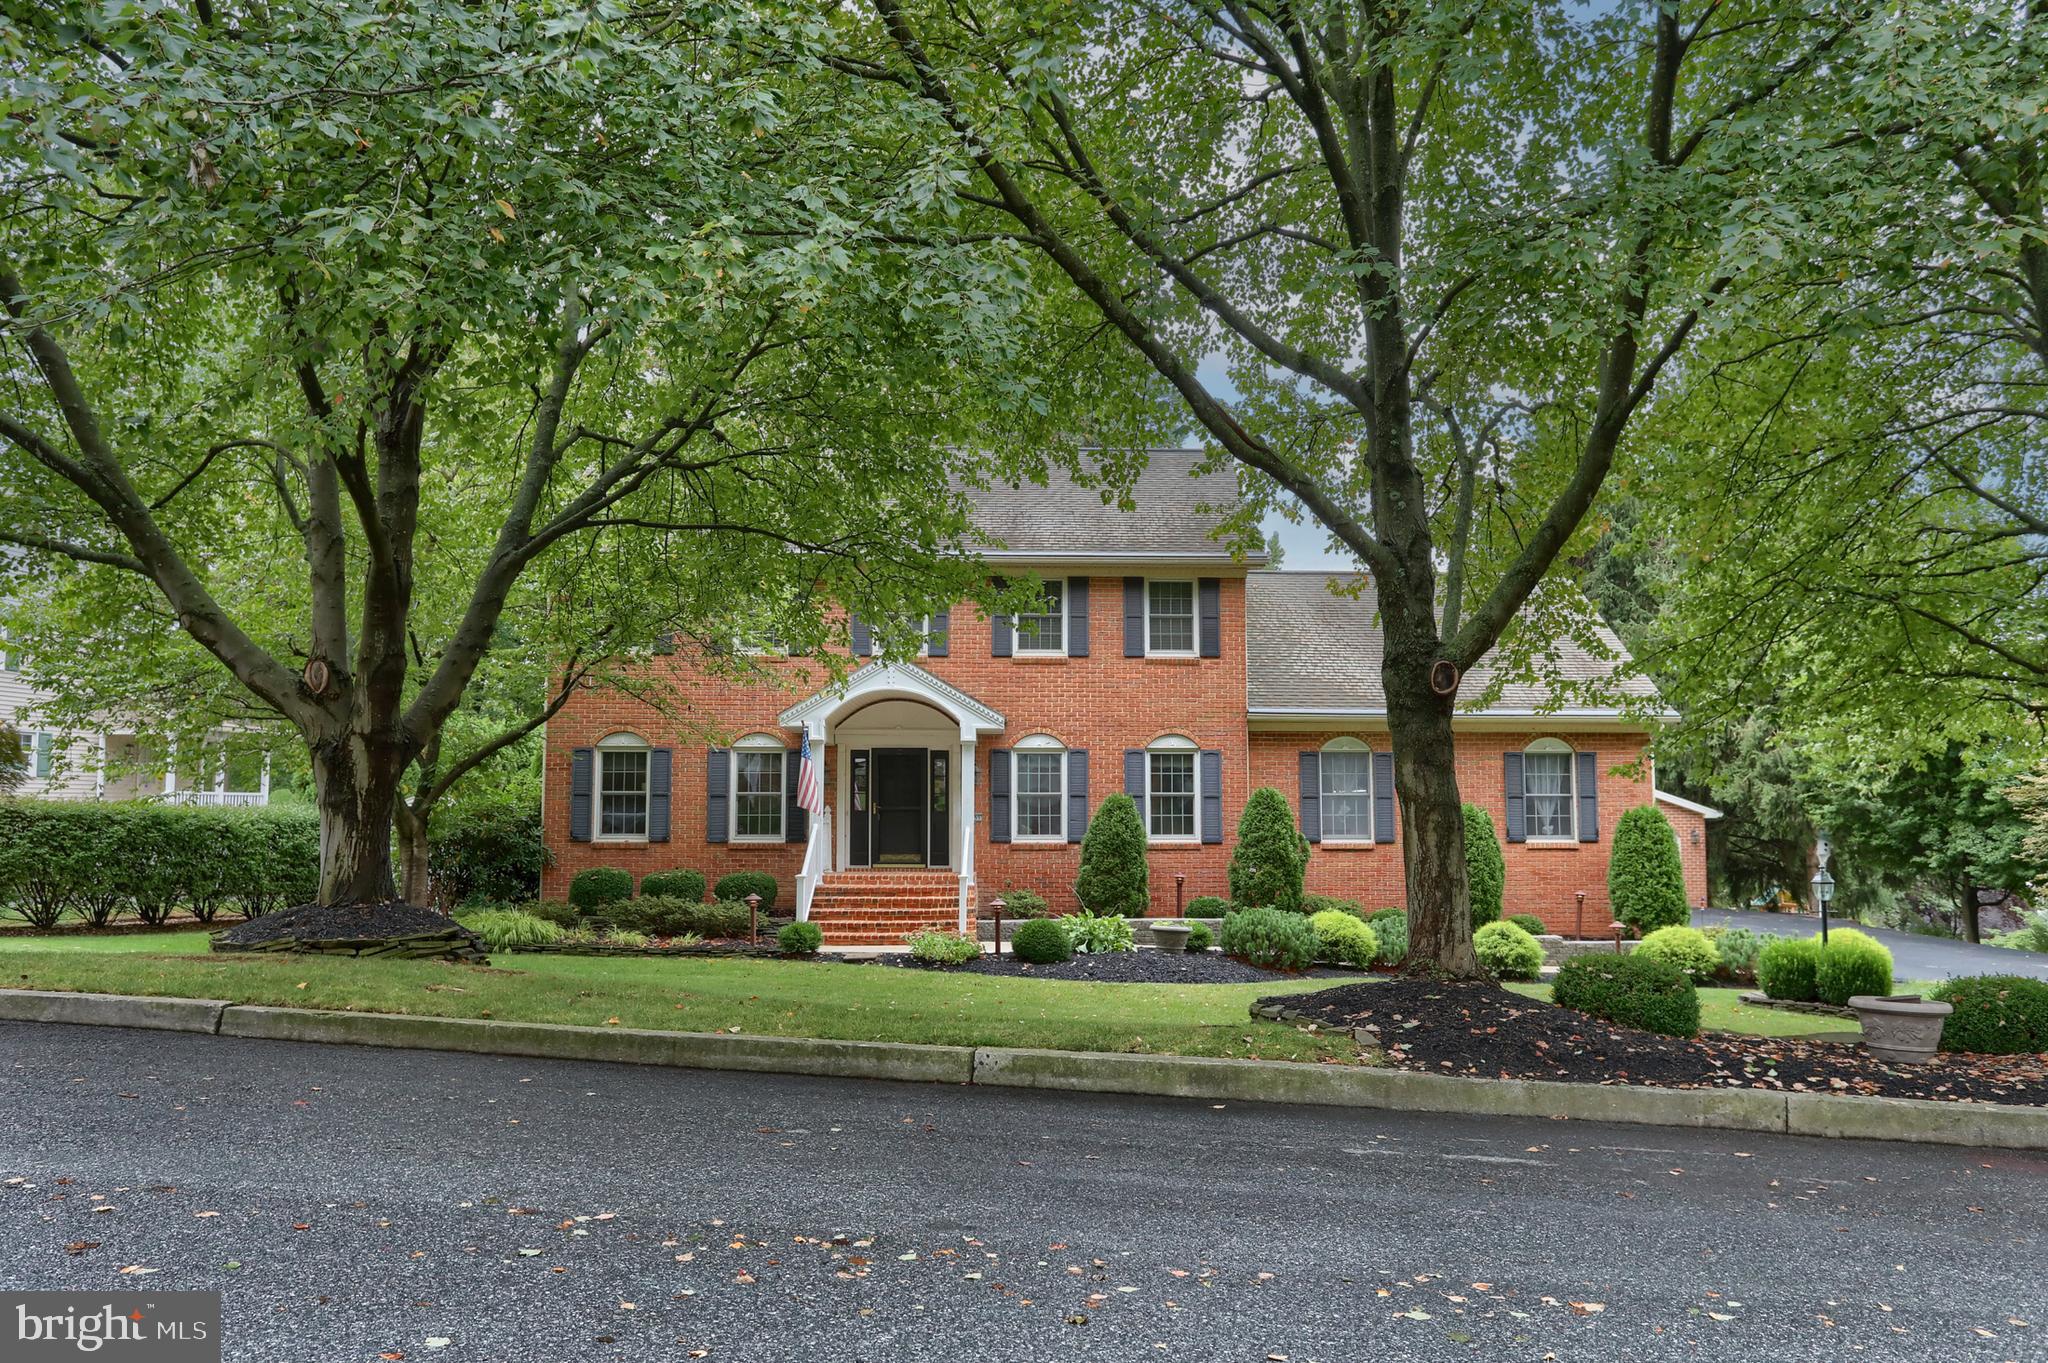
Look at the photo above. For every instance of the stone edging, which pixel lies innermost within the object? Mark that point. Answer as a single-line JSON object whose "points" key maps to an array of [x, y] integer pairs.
{"points": [[1759, 999], [1263, 1081]]}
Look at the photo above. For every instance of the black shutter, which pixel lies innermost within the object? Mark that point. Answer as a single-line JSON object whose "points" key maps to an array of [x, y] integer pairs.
{"points": [[1589, 797], [999, 630], [1077, 795], [1134, 781], [1077, 617], [1518, 813], [580, 762], [940, 638], [999, 795], [796, 820], [717, 778], [1382, 797], [1212, 796], [1134, 617], [660, 765], [1312, 796], [863, 637], [1209, 596]]}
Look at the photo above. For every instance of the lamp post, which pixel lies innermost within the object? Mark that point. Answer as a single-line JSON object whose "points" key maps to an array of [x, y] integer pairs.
{"points": [[1823, 883]]}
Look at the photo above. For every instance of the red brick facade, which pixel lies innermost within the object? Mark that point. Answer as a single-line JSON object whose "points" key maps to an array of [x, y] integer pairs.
{"points": [[1104, 704]]}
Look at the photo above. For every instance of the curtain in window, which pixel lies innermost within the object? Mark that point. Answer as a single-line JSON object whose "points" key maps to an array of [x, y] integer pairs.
{"points": [[1347, 802], [757, 792], [1547, 791], [1172, 802], [622, 794], [1038, 794]]}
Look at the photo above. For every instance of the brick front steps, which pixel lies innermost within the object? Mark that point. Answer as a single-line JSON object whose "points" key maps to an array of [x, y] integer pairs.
{"points": [[879, 907]]}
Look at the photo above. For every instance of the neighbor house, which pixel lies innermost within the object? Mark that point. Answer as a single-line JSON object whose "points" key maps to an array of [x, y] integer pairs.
{"points": [[1159, 666]]}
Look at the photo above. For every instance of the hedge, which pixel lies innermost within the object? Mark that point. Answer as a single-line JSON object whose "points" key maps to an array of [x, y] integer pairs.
{"points": [[490, 852], [102, 860], [1630, 991], [1785, 968], [735, 887], [1995, 1014], [680, 884], [1852, 963]]}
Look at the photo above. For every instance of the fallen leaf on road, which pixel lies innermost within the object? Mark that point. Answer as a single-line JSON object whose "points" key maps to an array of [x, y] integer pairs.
{"points": [[203, 1215], [77, 1247], [137, 1269], [1587, 1308]]}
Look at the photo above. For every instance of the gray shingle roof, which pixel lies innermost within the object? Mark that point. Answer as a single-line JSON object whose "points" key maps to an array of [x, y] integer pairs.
{"points": [[1067, 520], [1311, 649]]}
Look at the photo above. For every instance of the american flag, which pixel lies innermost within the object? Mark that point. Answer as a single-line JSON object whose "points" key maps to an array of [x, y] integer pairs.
{"points": [[810, 790]]}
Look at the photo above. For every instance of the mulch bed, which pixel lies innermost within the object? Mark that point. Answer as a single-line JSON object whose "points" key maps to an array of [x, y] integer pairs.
{"points": [[1126, 967], [1478, 1028], [334, 922]]}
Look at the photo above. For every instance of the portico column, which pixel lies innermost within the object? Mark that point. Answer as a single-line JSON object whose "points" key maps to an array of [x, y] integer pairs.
{"points": [[964, 802]]}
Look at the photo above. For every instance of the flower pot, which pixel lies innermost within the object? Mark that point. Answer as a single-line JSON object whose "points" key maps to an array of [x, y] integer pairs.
{"points": [[1171, 937], [1904, 1029]]}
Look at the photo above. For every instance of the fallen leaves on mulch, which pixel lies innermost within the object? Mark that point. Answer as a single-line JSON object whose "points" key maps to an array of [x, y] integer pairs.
{"points": [[1479, 1028]]}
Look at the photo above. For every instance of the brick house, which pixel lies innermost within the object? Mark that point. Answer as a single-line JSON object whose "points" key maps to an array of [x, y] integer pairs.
{"points": [[1161, 666]]}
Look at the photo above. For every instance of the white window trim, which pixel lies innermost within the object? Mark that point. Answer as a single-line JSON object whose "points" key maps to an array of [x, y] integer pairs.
{"points": [[1551, 747], [1038, 743], [1345, 745], [1017, 648], [1194, 752], [614, 745], [1194, 647], [758, 743]]}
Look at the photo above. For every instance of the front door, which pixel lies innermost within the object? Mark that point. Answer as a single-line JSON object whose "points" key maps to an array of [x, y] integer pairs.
{"points": [[902, 782]]}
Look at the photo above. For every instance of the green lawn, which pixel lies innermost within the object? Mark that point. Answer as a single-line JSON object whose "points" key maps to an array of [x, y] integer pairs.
{"points": [[785, 998], [1722, 1010]]}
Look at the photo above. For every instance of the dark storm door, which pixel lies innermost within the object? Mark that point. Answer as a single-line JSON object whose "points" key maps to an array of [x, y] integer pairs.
{"points": [[901, 783]]}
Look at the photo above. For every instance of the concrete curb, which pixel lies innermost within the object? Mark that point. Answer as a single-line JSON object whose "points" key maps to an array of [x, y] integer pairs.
{"points": [[1259, 1081]]}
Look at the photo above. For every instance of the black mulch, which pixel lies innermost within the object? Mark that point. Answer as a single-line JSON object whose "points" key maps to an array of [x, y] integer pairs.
{"points": [[337, 922], [1126, 967], [1478, 1028]]}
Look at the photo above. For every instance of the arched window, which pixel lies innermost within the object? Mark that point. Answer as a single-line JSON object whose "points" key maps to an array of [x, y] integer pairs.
{"points": [[1347, 791], [758, 767], [1171, 774], [622, 786], [1039, 809], [1547, 788]]}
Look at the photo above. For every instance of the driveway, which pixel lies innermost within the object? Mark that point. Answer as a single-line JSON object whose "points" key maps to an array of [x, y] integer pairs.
{"points": [[1913, 957], [354, 1204]]}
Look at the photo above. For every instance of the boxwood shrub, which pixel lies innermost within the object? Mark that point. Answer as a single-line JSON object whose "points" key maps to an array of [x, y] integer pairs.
{"points": [[739, 884], [1508, 952], [1313, 904], [1040, 941], [1271, 938], [1199, 937], [1686, 948], [1785, 968], [800, 939], [599, 886], [1343, 938], [1529, 923], [1995, 1014], [1852, 963], [1630, 991], [1208, 906], [676, 884]]}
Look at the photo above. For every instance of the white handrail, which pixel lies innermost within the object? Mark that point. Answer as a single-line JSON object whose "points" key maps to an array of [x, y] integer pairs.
{"points": [[817, 861]]}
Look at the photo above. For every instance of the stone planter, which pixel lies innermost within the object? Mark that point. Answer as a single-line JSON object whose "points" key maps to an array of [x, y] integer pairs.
{"points": [[1171, 937], [1904, 1029]]}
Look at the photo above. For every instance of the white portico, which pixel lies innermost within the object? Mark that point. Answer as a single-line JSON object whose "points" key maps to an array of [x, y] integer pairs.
{"points": [[901, 775]]}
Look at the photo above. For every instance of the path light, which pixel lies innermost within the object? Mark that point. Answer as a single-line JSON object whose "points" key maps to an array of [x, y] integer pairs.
{"points": [[1823, 883], [1617, 928], [998, 905], [1180, 882], [1580, 921], [754, 918]]}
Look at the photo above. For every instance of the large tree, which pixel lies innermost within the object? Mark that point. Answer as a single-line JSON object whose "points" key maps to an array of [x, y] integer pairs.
{"points": [[351, 343], [1444, 253]]}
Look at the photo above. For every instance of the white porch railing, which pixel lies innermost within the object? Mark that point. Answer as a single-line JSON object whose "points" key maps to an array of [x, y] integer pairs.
{"points": [[817, 861], [966, 877], [217, 797]]}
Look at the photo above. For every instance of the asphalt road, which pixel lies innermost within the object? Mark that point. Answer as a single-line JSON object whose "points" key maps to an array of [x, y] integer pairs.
{"points": [[358, 1204], [1914, 957]]}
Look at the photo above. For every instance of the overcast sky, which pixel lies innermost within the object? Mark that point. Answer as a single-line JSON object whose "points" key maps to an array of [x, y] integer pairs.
{"points": [[1305, 545]]}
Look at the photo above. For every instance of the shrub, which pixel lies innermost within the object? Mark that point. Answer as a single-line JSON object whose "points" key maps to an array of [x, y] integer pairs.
{"points": [[599, 886], [1630, 991], [1199, 937], [1270, 938], [1024, 904], [738, 885], [1208, 906], [942, 948], [1852, 963], [2031, 935], [718, 919], [1313, 904], [1529, 923], [1737, 949], [504, 929], [1686, 948], [1995, 1014], [1343, 938], [490, 851], [1508, 952], [1486, 870], [557, 911], [1271, 857], [1785, 968], [678, 884], [1390, 930], [1645, 882], [627, 937], [1114, 876], [1041, 941], [800, 939], [1097, 934]]}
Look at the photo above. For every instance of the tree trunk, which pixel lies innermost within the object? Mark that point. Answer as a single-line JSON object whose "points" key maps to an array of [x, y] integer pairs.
{"points": [[413, 883], [1432, 816], [358, 784], [1966, 903]]}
